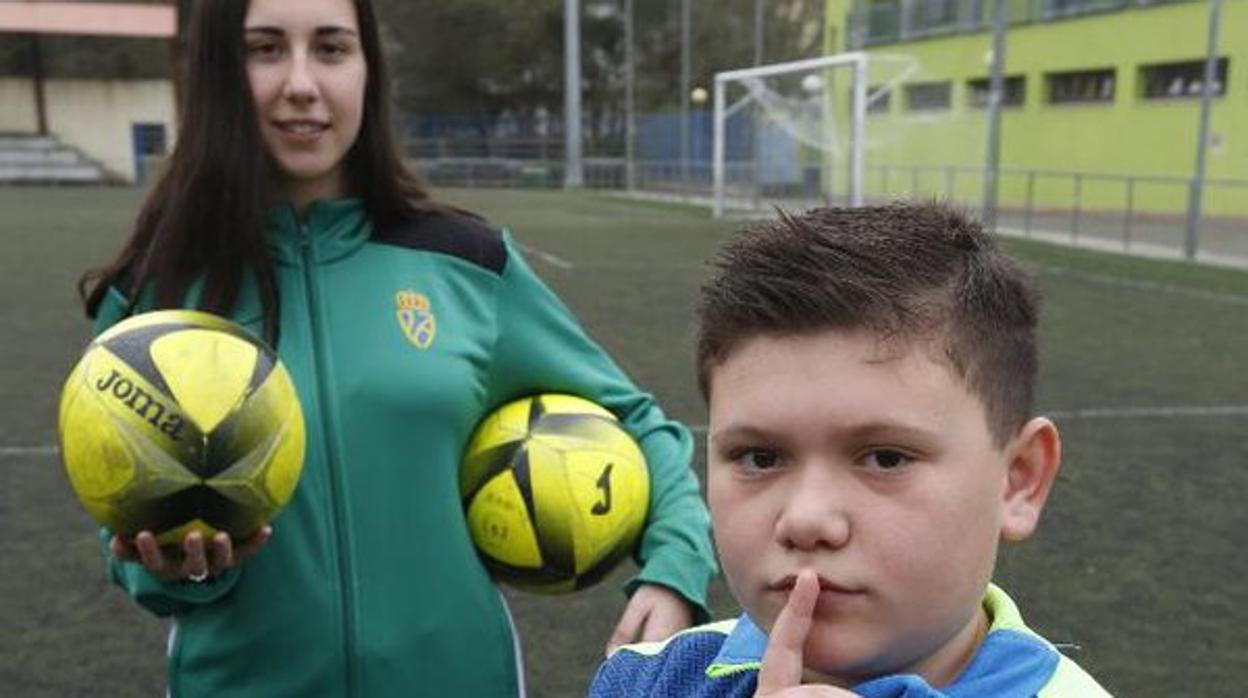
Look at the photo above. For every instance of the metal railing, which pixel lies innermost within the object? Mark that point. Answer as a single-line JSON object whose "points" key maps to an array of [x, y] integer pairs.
{"points": [[544, 148], [1135, 214]]}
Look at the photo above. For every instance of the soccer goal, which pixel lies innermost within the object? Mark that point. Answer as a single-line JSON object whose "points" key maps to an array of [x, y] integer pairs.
{"points": [[795, 133]]}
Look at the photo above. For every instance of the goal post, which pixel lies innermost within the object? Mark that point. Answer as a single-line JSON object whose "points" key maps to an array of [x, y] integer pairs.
{"points": [[811, 120]]}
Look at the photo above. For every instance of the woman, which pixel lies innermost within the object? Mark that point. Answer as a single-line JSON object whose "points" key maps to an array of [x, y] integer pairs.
{"points": [[286, 207]]}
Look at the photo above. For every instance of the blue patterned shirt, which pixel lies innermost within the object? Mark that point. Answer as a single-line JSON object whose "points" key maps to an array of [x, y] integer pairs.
{"points": [[721, 660]]}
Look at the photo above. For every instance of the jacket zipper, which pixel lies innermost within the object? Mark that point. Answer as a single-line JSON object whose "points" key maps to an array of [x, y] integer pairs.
{"points": [[336, 487]]}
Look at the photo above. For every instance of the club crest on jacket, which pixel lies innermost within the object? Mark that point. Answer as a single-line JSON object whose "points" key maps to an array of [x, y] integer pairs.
{"points": [[415, 318]]}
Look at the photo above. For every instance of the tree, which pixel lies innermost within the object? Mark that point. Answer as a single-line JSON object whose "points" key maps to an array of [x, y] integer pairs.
{"points": [[504, 58], [478, 58]]}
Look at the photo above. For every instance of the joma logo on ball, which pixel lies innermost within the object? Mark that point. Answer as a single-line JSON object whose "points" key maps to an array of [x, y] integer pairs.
{"points": [[142, 403]]}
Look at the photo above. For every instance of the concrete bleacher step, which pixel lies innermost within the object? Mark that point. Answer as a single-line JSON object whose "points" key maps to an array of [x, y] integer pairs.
{"points": [[77, 174], [19, 158], [9, 141], [31, 159]]}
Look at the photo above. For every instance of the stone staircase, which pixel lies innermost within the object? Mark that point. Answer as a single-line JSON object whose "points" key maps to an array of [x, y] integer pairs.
{"points": [[27, 159]]}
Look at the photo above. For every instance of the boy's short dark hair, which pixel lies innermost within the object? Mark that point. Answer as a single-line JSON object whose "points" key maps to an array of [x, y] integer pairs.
{"points": [[905, 271]]}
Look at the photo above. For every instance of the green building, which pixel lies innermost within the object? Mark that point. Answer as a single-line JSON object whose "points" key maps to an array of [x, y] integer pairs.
{"points": [[1101, 106]]}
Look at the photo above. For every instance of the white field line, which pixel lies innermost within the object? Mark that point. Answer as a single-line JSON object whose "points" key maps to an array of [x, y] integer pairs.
{"points": [[1176, 411], [1151, 412], [1147, 285], [547, 257], [1138, 249], [561, 263], [638, 266], [747, 211], [20, 451]]}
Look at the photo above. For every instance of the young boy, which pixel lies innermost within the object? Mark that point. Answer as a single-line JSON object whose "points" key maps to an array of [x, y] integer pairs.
{"points": [[869, 376]]}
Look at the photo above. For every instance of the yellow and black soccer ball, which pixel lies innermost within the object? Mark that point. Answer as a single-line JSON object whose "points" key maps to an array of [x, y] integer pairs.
{"points": [[555, 492], [179, 420]]}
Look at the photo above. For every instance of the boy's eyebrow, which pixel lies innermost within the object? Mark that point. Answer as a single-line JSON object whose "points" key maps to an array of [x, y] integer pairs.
{"points": [[891, 430], [857, 432], [742, 432]]}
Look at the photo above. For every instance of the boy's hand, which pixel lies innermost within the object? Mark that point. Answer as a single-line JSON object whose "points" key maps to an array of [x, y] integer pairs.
{"points": [[781, 673], [654, 613], [195, 561]]}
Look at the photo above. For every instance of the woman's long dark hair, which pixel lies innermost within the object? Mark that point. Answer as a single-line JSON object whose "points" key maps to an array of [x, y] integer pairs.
{"points": [[206, 214]]}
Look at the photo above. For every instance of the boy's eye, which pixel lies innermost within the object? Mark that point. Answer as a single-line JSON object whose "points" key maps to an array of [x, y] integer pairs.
{"points": [[757, 458], [886, 459]]}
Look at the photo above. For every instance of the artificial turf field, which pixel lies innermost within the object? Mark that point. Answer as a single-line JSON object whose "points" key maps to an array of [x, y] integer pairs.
{"points": [[1138, 563]]}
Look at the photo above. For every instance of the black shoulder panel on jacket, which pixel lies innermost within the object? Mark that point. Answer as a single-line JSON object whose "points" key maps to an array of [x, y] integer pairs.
{"points": [[461, 236]]}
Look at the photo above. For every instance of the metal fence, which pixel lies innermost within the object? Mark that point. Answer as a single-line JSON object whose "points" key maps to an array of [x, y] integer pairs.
{"points": [[1135, 214], [547, 148], [876, 22]]}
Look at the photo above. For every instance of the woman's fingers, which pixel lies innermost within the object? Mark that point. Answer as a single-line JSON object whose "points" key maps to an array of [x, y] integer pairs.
{"points": [[150, 554], [222, 553], [195, 559], [123, 549], [250, 546]]}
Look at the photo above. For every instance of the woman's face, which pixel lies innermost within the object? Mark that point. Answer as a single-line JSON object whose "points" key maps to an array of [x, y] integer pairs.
{"points": [[307, 73]]}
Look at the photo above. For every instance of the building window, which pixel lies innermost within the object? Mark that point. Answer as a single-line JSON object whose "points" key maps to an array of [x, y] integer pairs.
{"points": [[975, 15], [879, 102], [1015, 92], [150, 139], [1059, 8], [1081, 87], [151, 144], [929, 96], [882, 20], [931, 15], [1182, 80]]}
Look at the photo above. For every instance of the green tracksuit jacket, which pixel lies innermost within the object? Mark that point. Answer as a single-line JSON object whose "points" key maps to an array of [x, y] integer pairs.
{"points": [[370, 585]]}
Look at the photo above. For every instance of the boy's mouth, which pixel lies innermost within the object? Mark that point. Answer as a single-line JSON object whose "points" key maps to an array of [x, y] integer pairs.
{"points": [[785, 584]]}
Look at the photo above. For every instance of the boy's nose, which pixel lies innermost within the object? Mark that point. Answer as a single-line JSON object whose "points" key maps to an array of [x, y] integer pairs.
{"points": [[814, 515]]}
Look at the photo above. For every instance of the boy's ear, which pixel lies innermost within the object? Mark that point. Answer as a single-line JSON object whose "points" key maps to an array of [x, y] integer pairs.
{"points": [[1035, 457]]}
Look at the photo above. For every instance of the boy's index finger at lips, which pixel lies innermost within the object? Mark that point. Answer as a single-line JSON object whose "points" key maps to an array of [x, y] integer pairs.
{"points": [[783, 661]]}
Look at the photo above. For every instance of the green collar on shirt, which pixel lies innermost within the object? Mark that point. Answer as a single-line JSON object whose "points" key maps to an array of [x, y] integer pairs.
{"points": [[331, 230]]}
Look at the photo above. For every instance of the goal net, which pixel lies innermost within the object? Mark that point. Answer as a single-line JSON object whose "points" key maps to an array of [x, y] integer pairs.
{"points": [[794, 134]]}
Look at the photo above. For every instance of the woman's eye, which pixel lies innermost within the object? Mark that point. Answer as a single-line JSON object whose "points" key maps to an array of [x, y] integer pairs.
{"points": [[886, 459], [334, 50], [264, 50]]}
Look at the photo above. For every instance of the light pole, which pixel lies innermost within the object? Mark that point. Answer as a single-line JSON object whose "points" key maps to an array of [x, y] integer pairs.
{"points": [[759, 18], [1191, 240], [685, 51], [756, 131], [996, 90], [630, 119], [698, 97], [574, 169]]}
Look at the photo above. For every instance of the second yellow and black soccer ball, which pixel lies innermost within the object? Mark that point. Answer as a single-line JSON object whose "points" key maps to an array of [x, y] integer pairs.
{"points": [[555, 492]]}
